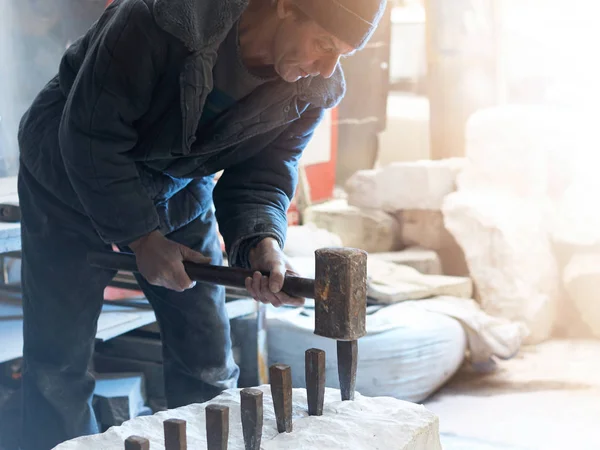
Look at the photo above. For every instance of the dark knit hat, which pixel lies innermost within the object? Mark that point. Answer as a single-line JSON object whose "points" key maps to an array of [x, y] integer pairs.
{"points": [[352, 21]]}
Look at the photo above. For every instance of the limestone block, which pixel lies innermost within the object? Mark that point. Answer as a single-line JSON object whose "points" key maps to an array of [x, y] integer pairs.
{"points": [[426, 229], [369, 229], [392, 283], [424, 260], [305, 239], [405, 185], [581, 279], [363, 424], [508, 251]]}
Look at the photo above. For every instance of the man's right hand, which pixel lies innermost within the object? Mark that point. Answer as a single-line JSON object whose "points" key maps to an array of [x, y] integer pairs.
{"points": [[160, 261]]}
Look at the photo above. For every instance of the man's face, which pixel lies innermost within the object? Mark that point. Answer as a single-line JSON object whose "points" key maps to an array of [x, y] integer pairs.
{"points": [[302, 48]]}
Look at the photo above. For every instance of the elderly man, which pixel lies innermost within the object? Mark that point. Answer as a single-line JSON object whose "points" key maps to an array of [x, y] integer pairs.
{"points": [[120, 149]]}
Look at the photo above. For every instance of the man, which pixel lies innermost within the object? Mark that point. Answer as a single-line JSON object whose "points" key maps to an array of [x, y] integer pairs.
{"points": [[121, 147]]}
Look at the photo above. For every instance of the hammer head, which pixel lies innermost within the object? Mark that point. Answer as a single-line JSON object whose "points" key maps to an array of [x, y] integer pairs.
{"points": [[340, 293]]}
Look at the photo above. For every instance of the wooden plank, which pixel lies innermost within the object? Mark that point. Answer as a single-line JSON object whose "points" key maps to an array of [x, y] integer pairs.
{"points": [[117, 320], [457, 55], [10, 233], [114, 321]]}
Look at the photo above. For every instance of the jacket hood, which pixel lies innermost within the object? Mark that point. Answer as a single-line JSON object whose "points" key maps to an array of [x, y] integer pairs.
{"points": [[201, 25]]}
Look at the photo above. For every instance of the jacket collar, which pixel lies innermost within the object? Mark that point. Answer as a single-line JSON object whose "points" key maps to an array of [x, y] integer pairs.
{"points": [[201, 25]]}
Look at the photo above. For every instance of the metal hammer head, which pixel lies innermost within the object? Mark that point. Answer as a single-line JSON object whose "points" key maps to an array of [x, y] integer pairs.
{"points": [[340, 293]]}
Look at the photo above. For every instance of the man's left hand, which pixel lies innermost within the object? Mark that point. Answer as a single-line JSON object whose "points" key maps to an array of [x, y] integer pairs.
{"points": [[267, 256]]}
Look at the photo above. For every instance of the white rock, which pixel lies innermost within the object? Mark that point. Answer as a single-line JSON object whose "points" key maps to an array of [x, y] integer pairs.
{"points": [[405, 185], [304, 240], [426, 228], [424, 260], [392, 283], [369, 229], [364, 424], [507, 248], [581, 279]]}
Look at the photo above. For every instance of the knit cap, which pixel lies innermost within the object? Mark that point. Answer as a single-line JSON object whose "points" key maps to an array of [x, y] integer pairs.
{"points": [[352, 21]]}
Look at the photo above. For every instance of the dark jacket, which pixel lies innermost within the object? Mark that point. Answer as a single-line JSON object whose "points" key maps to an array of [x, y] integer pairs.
{"points": [[116, 134]]}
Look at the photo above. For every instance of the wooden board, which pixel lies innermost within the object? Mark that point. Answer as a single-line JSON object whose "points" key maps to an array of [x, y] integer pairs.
{"points": [[10, 233], [114, 321]]}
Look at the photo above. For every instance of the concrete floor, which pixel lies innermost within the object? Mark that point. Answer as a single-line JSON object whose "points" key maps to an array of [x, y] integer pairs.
{"points": [[547, 398]]}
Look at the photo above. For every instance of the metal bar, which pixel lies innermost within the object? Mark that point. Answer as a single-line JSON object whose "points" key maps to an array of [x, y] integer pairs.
{"points": [[252, 417], [217, 427], [347, 354], [315, 380], [281, 391], [175, 434], [137, 443]]}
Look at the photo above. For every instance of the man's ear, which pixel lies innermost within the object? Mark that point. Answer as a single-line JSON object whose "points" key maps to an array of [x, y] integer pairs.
{"points": [[284, 9]]}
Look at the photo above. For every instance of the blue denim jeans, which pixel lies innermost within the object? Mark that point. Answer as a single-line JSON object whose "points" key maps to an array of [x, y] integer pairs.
{"points": [[62, 299]]}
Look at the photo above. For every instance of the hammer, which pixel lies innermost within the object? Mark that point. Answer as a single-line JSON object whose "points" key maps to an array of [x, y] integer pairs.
{"points": [[339, 290]]}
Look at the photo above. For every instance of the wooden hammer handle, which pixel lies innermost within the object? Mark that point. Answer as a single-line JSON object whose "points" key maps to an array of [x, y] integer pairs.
{"points": [[225, 276]]}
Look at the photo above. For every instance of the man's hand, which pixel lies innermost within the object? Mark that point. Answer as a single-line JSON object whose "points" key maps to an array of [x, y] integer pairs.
{"points": [[268, 257], [160, 261]]}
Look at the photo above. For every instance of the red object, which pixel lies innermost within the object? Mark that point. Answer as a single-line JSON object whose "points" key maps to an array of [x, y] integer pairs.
{"points": [[113, 293]]}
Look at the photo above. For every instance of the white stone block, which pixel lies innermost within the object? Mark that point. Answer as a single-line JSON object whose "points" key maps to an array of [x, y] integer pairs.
{"points": [[507, 248], [426, 229], [305, 239], [424, 260], [392, 283], [581, 279], [369, 229], [363, 424], [405, 185]]}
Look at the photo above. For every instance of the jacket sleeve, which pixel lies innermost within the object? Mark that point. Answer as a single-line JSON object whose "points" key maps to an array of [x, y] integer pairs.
{"points": [[113, 89], [252, 198]]}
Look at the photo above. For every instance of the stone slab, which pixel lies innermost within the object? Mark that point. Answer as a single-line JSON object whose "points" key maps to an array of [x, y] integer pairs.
{"points": [[405, 185], [424, 260], [369, 229], [391, 283], [363, 424]]}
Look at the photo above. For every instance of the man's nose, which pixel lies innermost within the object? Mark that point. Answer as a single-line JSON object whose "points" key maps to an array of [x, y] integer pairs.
{"points": [[328, 65]]}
